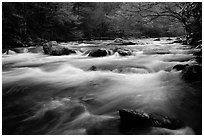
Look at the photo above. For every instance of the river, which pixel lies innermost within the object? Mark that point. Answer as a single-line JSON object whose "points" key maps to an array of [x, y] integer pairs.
{"points": [[44, 94]]}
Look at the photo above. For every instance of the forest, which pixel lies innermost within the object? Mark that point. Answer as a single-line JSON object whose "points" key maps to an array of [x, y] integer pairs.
{"points": [[28, 24]]}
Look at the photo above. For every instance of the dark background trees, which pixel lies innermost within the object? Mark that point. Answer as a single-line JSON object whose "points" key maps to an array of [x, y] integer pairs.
{"points": [[28, 23]]}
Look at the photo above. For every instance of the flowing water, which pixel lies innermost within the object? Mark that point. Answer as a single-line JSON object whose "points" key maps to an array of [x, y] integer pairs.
{"points": [[60, 94]]}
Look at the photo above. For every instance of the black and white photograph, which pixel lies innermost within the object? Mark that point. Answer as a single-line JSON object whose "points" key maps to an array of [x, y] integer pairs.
{"points": [[101, 68]]}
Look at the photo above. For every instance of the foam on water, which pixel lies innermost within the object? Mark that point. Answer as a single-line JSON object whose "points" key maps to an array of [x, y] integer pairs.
{"points": [[61, 95]]}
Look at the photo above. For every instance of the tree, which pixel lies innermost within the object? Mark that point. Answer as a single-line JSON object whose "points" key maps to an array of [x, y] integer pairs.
{"points": [[187, 13]]}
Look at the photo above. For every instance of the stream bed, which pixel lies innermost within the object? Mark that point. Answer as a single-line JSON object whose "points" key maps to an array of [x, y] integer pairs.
{"points": [[47, 95]]}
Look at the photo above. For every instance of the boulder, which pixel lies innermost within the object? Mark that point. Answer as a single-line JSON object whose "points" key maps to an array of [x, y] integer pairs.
{"points": [[157, 39], [180, 67], [124, 52], [47, 47], [192, 73], [138, 119], [130, 118], [53, 48], [98, 53], [59, 50], [119, 41]]}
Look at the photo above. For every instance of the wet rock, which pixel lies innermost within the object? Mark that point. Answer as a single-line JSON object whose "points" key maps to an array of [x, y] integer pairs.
{"points": [[98, 53], [198, 53], [180, 67], [130, 118], [57, 51], [157, 39], [53, 48], [124, 52], [158, 120], [119, 41], [138, 119], [47, 47], [192, 73]]}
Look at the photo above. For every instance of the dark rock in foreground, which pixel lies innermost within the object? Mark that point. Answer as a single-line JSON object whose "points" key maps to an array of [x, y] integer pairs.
{"points": [[192, 73], [130, 118], [138, 119], [53, 48]]}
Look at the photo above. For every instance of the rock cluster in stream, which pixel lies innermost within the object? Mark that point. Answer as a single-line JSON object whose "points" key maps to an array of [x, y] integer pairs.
{"points": [[119, 41], [192, 72], [53, 48]]}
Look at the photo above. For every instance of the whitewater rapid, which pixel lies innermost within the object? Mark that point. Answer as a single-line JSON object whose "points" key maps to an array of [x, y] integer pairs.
{"points": [[62, 95]]}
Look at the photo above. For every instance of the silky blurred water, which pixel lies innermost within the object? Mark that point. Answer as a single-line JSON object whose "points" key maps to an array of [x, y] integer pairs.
{"points": [[61, 95]]}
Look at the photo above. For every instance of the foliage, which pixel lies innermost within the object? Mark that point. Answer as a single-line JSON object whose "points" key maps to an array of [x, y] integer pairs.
{"points": [[27, 22]]}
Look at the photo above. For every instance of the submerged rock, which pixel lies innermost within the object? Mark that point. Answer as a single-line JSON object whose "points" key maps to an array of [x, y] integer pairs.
{"points": [[192, 73], [139, 119], [157, 39], [119, 41], [53, 48], [98, 53]]}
